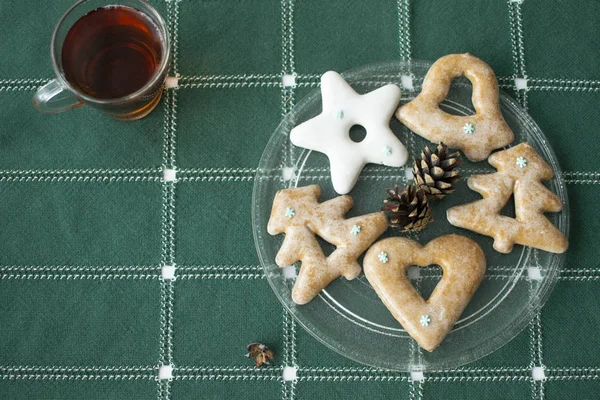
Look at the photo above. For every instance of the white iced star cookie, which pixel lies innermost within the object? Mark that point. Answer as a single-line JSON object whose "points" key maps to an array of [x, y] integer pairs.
{"points": [[329, 132]]}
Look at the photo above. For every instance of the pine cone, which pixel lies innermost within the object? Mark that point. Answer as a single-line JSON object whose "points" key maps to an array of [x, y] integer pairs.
{"points": [[435, 171], [261, 354], [407, 209]]}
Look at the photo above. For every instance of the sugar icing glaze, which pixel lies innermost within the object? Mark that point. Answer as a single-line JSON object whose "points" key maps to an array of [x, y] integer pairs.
{"points": [[329, 132]]}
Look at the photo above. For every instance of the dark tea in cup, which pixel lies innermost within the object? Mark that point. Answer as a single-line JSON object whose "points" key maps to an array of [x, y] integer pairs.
{"points": [[111, 52], [112, 55]]}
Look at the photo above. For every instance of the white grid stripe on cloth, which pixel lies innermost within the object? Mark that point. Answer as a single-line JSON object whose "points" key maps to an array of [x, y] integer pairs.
{"points": [[313, 374], [289, 69], [287, 103], [517, 40], [167, 296], [224, 175], [191, 272], [404, 29], [415, 387], [312, 80]]}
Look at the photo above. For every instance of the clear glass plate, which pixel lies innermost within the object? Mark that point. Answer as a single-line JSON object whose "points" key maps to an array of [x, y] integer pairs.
{"points": [[348, 316]]}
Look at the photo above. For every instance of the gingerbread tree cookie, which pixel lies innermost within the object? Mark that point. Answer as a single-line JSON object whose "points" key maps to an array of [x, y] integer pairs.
{"points": [[298, 213], [476, 135], [521, 172]]}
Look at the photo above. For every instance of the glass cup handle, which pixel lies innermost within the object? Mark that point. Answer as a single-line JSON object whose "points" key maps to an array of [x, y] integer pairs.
{"points": [[53, 98]]}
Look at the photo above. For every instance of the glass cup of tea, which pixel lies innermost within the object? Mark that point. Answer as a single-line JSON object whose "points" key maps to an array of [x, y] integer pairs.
{"points": [[112, 55]]}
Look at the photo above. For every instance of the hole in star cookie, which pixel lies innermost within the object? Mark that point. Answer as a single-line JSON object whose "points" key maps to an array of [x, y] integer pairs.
{"points": [[427, 280], [509, 208], [358, 133]]}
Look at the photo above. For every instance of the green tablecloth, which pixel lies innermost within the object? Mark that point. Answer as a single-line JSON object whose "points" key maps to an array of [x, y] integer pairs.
{"points": [[87, 222]]}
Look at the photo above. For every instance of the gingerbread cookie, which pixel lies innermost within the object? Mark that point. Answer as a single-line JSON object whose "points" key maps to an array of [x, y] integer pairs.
{"points": [[521, 172], [329, 132], [476, 135], [298, 213], [427, 321]]}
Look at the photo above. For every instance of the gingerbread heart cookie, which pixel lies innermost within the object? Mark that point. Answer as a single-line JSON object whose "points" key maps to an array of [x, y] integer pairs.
{"points": [[476, 135], [427, 321]]}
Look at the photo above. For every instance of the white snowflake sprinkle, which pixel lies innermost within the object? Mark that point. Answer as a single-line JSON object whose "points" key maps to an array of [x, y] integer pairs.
{"points": [[469, 128], [383, 257], [355, 230], [522, 162], [290, 212], [425, 320], [387, 150]]}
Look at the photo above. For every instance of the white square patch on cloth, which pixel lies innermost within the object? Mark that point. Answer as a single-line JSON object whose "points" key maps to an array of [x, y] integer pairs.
{"points": [[538, 374], [408, 173], [288, 173], [520, 83], [172, 82], [413, 273], [168, 272], [289, 373], [289, 80], [165, 372], [169, 175], [417, 376], [289, 272], [534, 273]]}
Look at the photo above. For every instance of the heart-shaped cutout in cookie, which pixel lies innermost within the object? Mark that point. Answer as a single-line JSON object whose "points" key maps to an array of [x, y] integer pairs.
{"points": [[427, 321]]}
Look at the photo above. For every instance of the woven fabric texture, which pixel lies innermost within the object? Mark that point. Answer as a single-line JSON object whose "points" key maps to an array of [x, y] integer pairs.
{"points": [[87, 221]]}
